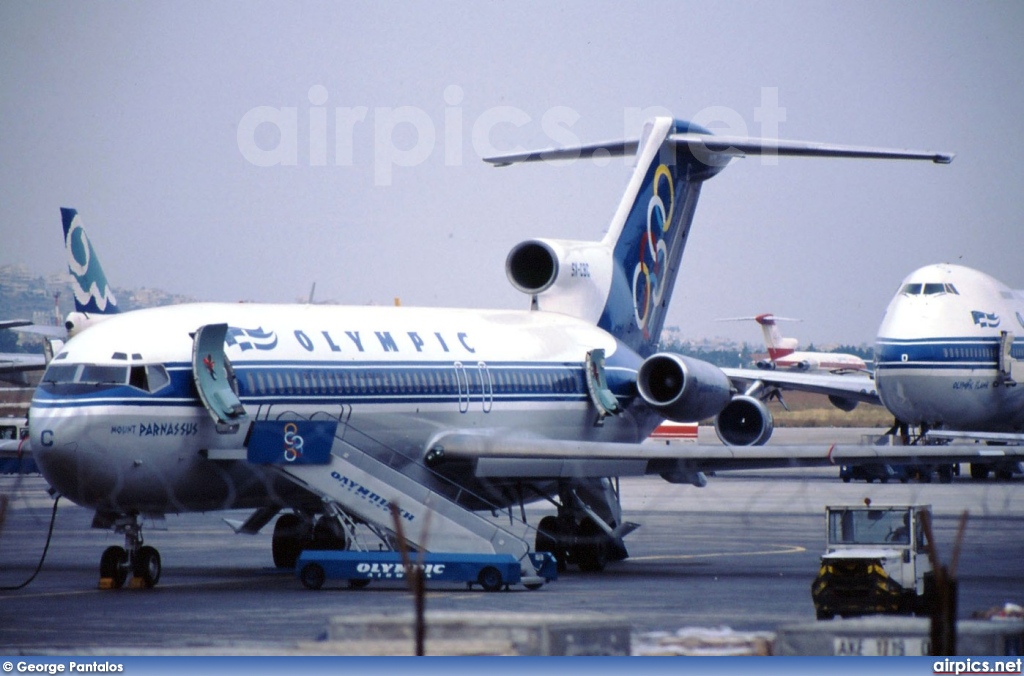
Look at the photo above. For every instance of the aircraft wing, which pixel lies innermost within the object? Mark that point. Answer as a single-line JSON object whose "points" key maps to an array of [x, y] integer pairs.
{"points": [[503, 456], [855, 387], [13, 365], [46, 330]]}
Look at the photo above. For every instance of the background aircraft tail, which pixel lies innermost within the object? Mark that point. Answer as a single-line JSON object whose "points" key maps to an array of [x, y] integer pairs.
{"points": [[92, 293], [777, 345]]}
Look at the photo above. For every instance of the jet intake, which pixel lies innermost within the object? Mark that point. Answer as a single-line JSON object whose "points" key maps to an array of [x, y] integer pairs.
{"points": [[532, 266], [683, 389], [746, 421]]}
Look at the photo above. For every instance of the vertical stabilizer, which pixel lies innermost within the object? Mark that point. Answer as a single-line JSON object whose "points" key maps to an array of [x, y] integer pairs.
{"points": [[92, 293], [778, 346], [649, 232]]}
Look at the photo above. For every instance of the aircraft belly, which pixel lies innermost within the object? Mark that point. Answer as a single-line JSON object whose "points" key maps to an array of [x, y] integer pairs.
{"points": [[961, 399]]}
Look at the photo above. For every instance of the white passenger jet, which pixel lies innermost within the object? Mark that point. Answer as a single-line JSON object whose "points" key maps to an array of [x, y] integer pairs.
{"points": [[949, 359], [346, 413], [783, 353]]}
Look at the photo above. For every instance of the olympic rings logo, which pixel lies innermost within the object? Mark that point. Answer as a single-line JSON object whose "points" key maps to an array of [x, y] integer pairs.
{"points": [[292, 442], [649, 273]]}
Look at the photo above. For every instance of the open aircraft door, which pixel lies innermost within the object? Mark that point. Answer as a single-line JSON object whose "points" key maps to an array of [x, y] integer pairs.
{"points": [[215, 379], [1011, 371], [604, 399]]}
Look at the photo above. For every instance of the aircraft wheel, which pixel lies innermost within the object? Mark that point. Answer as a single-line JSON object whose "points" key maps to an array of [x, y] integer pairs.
{"points": [[312, 576], [979, 472], [946, 474], [490, 579], [114, 566], [846, 479], [358, 584], [548, 535], [146, 566], [534, 586], [291, 534]]}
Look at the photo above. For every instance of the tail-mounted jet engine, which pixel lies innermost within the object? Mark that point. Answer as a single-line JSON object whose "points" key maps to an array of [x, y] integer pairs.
{"points": [[746, 421], [682, 389], [566, 276]]}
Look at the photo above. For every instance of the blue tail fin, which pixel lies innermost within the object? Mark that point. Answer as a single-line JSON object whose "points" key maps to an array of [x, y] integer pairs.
{"points": [[649, 232], [92, 293]]}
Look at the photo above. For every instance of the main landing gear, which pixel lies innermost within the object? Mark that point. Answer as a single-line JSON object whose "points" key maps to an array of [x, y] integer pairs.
{"points": [[588, 530], [141, 561]]}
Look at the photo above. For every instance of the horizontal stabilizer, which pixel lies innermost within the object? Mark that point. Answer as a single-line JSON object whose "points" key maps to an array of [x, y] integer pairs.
{"points": [[702, 145], [738, 146], [603, 149]]}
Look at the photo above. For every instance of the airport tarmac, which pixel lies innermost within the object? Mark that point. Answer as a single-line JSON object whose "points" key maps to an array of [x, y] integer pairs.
{"points": [[740, 552]]}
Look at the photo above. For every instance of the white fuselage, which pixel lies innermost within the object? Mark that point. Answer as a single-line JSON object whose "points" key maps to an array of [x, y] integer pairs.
{"points": [[133, 440], [937, 351], [811, 362]]}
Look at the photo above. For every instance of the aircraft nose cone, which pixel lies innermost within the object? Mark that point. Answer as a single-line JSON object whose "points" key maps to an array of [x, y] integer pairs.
{"points": [[71, 469]]}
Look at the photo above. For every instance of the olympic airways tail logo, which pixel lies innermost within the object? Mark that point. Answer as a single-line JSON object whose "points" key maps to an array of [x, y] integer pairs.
{"points": [[90, 282], [292, 442], [651, 268]]}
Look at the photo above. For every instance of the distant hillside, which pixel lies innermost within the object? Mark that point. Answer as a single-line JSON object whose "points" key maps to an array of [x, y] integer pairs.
{"points": [[25, 295]]}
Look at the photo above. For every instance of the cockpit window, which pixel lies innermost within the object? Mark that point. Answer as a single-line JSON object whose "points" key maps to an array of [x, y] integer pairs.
{"points": [[931, 289], [149, 378], [103, 374], [60, 373]]}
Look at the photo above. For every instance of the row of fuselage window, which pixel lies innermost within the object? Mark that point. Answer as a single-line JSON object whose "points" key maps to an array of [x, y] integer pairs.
{"points": [[443, 382]]}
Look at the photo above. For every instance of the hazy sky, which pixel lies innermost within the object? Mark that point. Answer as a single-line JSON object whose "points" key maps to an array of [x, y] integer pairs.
{"points": [[145, 117]]}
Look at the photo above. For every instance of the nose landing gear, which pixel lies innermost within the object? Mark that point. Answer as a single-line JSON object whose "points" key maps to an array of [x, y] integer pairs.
{"points": [[142, 561]]}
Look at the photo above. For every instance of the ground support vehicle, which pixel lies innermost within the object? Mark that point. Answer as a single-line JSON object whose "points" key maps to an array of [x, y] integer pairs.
{"points": [[876, 562]]}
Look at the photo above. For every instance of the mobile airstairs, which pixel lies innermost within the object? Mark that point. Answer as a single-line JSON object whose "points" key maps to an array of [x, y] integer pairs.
{"points": [[362, 480]]}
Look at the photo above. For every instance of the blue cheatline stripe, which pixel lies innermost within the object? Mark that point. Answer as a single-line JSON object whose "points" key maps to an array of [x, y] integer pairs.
{"points": [[326, 383], [942, 353]]}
